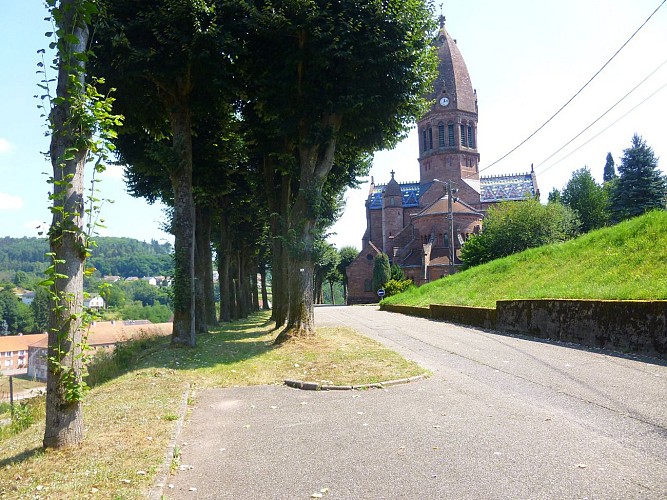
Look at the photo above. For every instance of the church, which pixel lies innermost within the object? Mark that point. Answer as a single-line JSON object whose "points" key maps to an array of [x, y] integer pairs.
{"points": [[422, 225]]}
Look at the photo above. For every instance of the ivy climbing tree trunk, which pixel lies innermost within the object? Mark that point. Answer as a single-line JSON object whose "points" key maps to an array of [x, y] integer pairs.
{"points": [[183, 223], [68, 151]]}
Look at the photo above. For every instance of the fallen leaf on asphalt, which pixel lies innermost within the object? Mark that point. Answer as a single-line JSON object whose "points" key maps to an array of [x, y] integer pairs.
{"points": [[247, 426], [303, 403], [356, 395], [274, 407], [316, 495], [324, 490], [192, 488], [360, 413], [581, 466], [436, 427]]}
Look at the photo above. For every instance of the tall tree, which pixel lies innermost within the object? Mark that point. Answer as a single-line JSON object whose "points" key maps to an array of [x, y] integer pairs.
{"points": [[586, 197], [381, 271], [71, 131], [609, 169], [168, 60], [323, 80], [347, 255], [641, 186]]}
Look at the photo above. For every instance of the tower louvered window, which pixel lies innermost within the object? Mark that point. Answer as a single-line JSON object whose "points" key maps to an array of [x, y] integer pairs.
{"points": [[430, 138], [471, 137], [450, 133], [463, 135], [441, 135], [424, 144]]}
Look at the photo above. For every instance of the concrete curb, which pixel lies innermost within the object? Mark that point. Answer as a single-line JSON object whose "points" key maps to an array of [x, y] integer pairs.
{"points": [[157, 490], [315, 386]]}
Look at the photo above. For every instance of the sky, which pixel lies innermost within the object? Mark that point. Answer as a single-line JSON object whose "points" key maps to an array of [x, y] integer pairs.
{"points": [[526, 59]]}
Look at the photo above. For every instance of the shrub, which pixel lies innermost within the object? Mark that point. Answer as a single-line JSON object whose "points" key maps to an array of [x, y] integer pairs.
{"points": [[393, 287]]}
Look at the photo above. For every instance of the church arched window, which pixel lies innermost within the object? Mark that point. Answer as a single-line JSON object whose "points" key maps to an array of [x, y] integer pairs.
{"points": [[430, 138], [463, 135], [471, 137], [424, 144], [450, 134], [441, 135]]}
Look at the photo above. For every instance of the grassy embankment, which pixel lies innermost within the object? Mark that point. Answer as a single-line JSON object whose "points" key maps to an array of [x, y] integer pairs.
{"points": [[624, 262], [131, 410]]}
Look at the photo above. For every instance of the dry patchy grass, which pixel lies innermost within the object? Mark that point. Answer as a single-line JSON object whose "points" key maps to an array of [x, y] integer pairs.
{"points": [[129, 418]]}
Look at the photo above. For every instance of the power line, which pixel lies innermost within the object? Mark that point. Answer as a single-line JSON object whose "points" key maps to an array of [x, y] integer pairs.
{"points": [[604, 129], [577, 93], [601, 116]]}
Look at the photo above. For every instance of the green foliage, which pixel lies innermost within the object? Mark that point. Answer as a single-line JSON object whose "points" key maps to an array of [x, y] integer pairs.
{"points": [[394, 286], [588, 199], [640, 187], [125, 257], [396, 273], [609, 263], [157, 313], [512, 227], [381, 271], [17, 315], [554, 196], [609, 169]]}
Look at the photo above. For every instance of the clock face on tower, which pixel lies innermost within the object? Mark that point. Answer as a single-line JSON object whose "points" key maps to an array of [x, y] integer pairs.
{"points": [[444, 101]]}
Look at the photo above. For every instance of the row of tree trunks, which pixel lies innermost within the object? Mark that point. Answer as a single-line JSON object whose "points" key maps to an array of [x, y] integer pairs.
{"points": [[205, 302]]}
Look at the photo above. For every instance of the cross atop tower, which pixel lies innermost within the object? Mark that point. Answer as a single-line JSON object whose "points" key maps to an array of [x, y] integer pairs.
{"points": [[442, 18], [392, 173]]}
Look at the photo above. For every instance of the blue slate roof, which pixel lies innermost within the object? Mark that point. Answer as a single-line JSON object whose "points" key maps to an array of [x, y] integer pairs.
{"points": [[507, 188], [493, 189], [411, 192]]}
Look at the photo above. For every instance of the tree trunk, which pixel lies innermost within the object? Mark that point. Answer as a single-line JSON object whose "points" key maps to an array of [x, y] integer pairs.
{"points": [[333, 297], [202, 246], [209, 287], [255, 291], [224, 262], [265, 293], [64, 413], [184, 228], [301, 319], [278, 191], [315, 162], [242, 289]]}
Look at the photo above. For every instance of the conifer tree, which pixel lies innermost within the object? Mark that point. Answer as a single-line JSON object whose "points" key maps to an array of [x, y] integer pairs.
{"points": [[640, 186], [609, 169], [381, 271]]}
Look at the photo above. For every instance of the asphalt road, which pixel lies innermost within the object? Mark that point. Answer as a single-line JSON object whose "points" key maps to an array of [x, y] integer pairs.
{"points": [[501, 417]]}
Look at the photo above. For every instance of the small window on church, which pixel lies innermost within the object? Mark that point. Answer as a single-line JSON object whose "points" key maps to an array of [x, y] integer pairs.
{"points": [[471, 137], [441, 135], [368, 287], [463, 135], [391, 201], [430, 138], [424, 144], [450, 133], [369, 256]]}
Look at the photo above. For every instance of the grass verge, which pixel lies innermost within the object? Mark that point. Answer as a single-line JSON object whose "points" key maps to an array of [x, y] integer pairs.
{"points": [[624, 262], [135, 397]]}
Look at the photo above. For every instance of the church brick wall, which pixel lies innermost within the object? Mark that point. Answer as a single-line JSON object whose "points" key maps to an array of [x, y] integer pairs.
{"points": [[359, 274]]}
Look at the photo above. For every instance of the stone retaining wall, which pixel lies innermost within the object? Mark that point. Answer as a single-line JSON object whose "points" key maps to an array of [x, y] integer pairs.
{"points": [[626, 326]]}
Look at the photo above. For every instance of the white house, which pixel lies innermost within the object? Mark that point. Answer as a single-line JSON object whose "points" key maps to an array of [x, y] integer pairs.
{"points": [[28, 298], [95, 302]]}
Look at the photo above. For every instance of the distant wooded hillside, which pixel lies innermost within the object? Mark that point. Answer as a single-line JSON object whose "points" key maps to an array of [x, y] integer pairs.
{"points": [[113, 256]]}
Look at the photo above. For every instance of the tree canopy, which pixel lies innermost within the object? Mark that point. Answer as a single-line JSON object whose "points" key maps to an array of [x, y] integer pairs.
{"points": [[641, 186]]}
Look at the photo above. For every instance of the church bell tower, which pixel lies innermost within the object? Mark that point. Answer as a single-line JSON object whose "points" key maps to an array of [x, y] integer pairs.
{"points": [[448, 131]]}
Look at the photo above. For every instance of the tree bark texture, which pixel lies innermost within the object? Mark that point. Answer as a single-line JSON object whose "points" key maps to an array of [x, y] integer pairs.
{"points": [[265, 292], [224, 262], [64, 417], [255, 291], [203, 270], [278, 192], [184, 229]]}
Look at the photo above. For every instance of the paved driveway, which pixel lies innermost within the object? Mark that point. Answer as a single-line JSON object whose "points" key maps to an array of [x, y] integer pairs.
{"points": [[502, 417]]}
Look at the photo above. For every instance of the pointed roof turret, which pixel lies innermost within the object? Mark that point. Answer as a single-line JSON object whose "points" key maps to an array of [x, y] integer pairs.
{"points": [[392, 189], [453, 78]]}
